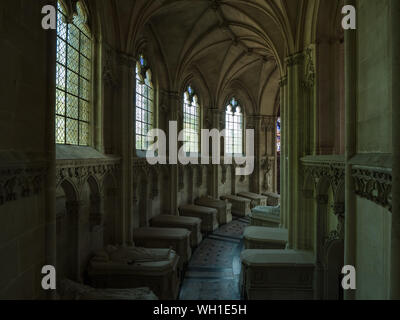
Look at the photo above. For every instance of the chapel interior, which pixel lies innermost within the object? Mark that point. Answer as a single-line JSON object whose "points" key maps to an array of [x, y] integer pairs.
{"points": [[78, 193]]}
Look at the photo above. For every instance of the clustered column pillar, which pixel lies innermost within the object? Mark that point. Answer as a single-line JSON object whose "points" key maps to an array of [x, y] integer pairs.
{"points": [[127, 69], [299, 96], [322, 207], [256, 185], [176, 115], [351, 113], [292, 145]]}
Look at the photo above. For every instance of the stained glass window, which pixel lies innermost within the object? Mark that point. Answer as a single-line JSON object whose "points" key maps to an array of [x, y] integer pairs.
{"points": [[73, 77], [144, 104], [278, 135], [234, 128], [191, 121]]}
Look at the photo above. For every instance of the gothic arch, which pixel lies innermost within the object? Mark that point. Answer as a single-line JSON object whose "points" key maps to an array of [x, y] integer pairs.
{"points": [[67, 231], [240, 91], [112, 214]]}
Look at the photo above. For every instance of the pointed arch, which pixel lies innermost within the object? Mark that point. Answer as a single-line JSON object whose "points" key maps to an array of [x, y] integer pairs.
{"points": [[234, 126], [145, 111], [191, 121]]}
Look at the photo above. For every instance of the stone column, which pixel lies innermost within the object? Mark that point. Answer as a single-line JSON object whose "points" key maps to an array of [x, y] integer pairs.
{"points": [[395, 233], [127, 76], [307, 221], [256, 179], [283, 169], [294, 102], [351, 121], [322, 210], [176, 115], [214, 113], [50, 177]]}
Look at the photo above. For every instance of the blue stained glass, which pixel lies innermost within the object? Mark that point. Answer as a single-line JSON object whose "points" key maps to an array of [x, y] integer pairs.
{"points": [[234, 103], [141, 61], [190, 90]]}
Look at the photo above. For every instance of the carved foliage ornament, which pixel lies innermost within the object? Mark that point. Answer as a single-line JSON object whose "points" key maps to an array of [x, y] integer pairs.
{"points": [[374, 185], [18, 183]]}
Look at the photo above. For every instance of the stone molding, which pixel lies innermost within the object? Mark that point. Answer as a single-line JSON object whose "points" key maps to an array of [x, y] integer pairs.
{"points": [[318, 167], [21, 180], [78, 171], [374, 184]]}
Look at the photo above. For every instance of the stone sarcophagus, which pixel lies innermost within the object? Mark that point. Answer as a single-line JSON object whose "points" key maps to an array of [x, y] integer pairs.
{"points": [[134, 267], [265, 238], [70, 290], [240, 205], [208, 216], [273, 199], [277, 275], [256, 199], [190, 223], [266, 216], [224, 208], [173, 238]]}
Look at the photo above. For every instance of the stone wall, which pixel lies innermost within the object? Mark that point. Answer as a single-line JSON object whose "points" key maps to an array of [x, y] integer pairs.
{"points": [[26, 54]]}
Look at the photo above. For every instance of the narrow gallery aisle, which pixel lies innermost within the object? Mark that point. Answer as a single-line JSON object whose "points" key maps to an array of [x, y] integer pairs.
{"points": [[214, 270]]}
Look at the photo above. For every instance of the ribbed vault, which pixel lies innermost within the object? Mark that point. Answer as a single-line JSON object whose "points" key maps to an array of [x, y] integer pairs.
{"points": [[228, 44]]}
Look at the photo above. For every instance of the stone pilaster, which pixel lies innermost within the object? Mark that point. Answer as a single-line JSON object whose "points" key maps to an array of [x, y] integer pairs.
{"points": [[214, 113], [176, 171], [50, 192], [322, 207], [351, 120], [127, 76]]}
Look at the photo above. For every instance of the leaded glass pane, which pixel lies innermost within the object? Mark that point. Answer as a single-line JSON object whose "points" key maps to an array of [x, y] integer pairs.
{"points": [[83, 133], [72, 131], [234, 128], [61, 51], [73, 59], [60, 76], [144, 107], [72, 83], [73, 74], [84, 111], [72, 107], [60, 129], [191, 122]]}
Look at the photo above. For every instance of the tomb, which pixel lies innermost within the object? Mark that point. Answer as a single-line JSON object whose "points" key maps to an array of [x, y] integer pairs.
{"points": [[190, 223], [273, 199], [256, 199], [133, 267], [70, 290], [265, 238], [240, 205], [224, 208], [175, 238], [266, 216], [208, 216], [277, 275]]}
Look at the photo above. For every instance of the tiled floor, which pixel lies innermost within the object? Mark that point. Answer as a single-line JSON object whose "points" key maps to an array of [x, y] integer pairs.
{"points": [[214, 270]]}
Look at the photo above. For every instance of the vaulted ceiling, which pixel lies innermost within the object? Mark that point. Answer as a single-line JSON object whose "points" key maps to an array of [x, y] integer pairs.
{"points": [[230, 44]]}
